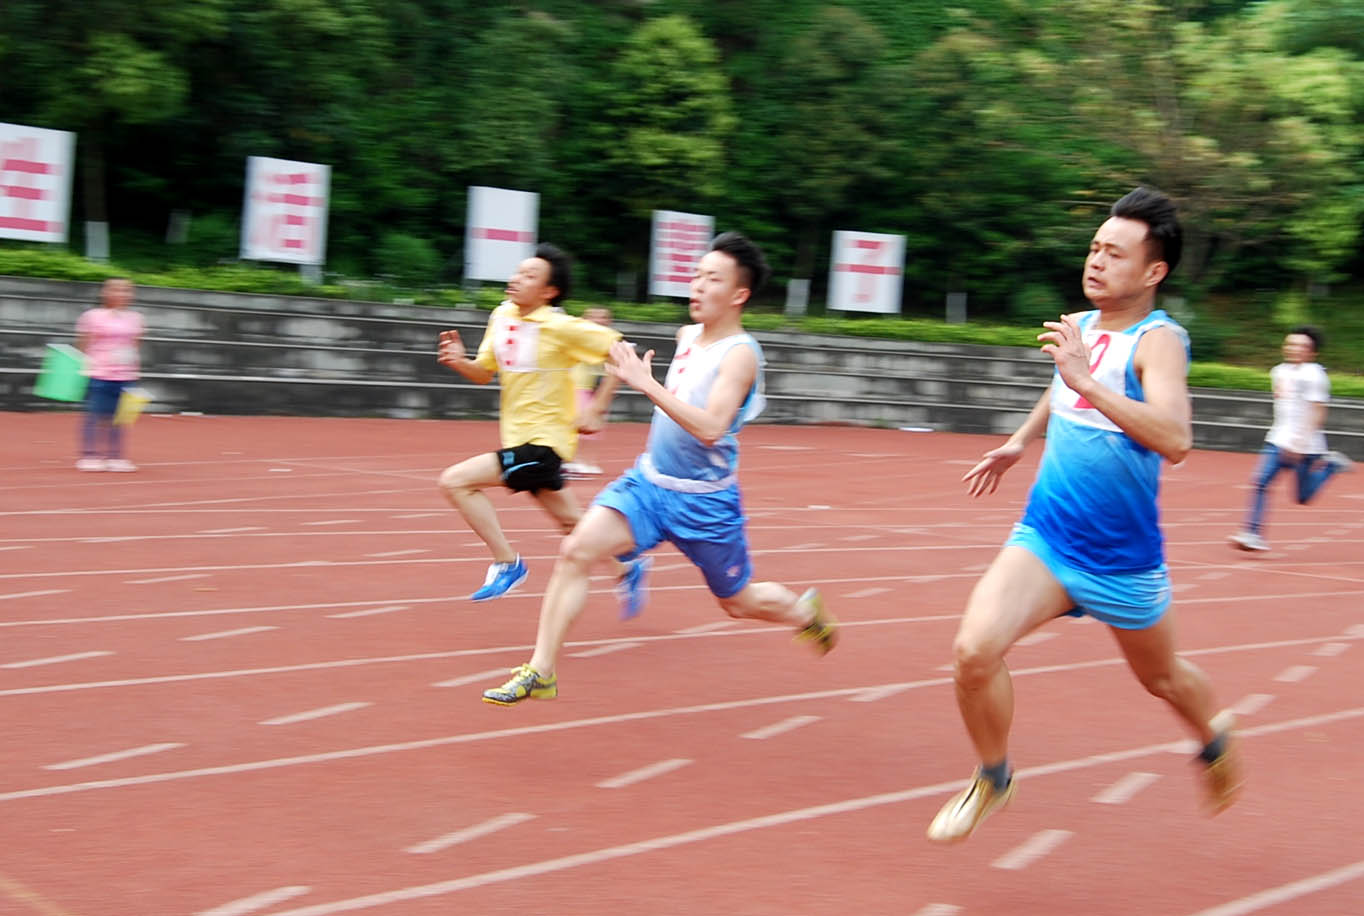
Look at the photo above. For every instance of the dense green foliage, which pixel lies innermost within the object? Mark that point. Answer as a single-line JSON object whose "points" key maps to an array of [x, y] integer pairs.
{"points": [[991, 133]]}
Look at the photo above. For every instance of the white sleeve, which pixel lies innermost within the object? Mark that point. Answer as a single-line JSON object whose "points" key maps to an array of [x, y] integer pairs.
{"points": [[1318, 386]]}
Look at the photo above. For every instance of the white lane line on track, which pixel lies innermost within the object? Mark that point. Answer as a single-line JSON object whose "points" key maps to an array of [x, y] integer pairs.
{"points": [[56, 659], [1295, 673], [369, 612], [779, 728], [400, 553], [165, 579], [643, 773], [241, 530], [938, 909], [449, 740], [332, 521], [501, 822], [1037, 636], [37, 594], [1125, 789], [225, 634], [1252, 703], [473, 678], [605, 650], [706, 628], [256, 902], [1284, 892], [655, 844], [17, 547], [113, 756], [1331, 649], [315, 714], [872, 694], [1032, 849], [420, 515], [522, 649], [868, 592]]}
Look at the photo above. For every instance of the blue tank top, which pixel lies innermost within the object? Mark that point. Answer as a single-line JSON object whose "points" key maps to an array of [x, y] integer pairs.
{"points": [[1094, 499], [673, 457]]}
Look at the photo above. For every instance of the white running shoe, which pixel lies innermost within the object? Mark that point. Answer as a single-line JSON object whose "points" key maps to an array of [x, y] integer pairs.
{"points": [[1249, 540], [122, 465], [90, 464]]}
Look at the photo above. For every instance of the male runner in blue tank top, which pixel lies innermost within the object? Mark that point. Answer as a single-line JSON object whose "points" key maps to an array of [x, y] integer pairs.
{"points": [[684, 487], [1090, 541]]}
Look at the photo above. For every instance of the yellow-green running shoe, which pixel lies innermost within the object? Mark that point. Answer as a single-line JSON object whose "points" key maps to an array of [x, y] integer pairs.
{"points": [[822, 630], [525, 683]]}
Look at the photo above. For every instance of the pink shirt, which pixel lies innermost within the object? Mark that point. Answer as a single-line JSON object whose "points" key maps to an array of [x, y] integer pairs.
{"points": [[111, 343]]}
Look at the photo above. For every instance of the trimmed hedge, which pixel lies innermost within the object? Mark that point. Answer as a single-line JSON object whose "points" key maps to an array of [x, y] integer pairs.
{"points": [[60, 264]]}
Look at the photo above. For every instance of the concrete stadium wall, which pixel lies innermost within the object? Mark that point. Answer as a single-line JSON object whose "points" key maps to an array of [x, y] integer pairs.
{"points": [[228, 353]]}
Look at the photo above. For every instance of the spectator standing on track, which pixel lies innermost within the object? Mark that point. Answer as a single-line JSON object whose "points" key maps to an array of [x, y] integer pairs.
{"points": [[108, 335], [530, 345], [1297, 438], [586, 379], [1090, 541], [684, 487]]}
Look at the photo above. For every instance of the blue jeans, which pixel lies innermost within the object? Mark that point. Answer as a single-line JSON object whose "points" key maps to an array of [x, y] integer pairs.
{"points": [[101, 401], [1311, 473]]}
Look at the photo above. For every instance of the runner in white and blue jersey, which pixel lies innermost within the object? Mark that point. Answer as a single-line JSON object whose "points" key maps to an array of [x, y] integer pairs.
{"points": [[684, 487], [1090, 542]]}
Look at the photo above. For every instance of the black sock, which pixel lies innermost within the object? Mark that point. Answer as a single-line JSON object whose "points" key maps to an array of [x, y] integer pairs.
{"points": [[1213, 749], [999, 774]]}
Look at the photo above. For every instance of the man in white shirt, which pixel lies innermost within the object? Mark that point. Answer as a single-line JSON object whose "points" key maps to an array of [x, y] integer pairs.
{"points": [[1296, 439]]}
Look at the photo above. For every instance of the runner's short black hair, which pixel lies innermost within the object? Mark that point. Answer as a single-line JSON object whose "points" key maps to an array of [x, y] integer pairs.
{"points": [[1164, 237], [560, 270], [753, 267], [1311, 331]]}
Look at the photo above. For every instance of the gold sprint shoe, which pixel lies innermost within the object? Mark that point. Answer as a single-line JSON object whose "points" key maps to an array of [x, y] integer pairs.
{"points": [[1222, 779], [822, 630], [959, 818], [525, 683]]}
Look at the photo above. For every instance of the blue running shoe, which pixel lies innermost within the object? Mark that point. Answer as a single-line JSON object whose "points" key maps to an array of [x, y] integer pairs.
{"points": [[631, 590], [502, 578]]}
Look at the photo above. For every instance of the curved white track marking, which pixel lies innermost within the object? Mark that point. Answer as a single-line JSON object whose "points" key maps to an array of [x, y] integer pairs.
{"points": [[501, 822], [37, 594], [605, 650], [315, 713], [780, 728], [56, 659], [224, 634], [1252, 703], [643, 773], [1032, 849], [521, 650], [114, 756], [1285, 892], [158, 579], [594, 857], [256, 902], [369, 612], [1295, 673], [1125, 789]]}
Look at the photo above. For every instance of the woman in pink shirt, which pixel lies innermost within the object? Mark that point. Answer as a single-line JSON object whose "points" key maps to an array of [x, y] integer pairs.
{"points": [[108, 335]]}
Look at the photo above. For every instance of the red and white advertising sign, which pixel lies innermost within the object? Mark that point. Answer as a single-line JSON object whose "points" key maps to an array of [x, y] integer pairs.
{"points": [[284, 217], [35, 182], [679, 241], [500, 232], [865, 272]]}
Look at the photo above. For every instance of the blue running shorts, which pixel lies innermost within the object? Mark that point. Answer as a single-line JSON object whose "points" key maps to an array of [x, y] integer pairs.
{"points": [[1130, 601], [707, 527]]}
